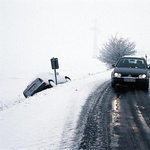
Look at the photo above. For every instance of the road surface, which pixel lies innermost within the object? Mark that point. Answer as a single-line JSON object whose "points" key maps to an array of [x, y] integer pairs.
{"points": [[115, 120]]}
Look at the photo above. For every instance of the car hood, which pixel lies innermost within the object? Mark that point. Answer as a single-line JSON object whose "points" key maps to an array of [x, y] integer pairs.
{"points": [[131, 71]]}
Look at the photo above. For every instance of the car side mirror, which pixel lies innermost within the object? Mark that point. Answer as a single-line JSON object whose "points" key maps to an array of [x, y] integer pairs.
{"points": [[113, 65], [148, 66]]}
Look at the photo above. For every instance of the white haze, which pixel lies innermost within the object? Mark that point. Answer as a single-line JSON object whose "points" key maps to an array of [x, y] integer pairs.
{"points": [[33, 31]]}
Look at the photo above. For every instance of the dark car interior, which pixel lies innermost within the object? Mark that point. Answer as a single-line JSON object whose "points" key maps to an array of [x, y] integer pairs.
{"points": [[132, 63]]}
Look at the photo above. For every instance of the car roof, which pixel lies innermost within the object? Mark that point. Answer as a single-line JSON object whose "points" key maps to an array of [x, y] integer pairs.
{"points": [[133, 57]]}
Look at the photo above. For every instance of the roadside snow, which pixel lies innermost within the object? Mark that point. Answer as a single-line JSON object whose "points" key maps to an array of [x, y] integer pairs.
{"points": [[48, 119]]}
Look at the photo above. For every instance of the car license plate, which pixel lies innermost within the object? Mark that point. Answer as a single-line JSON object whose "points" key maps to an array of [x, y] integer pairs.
{"points": [[129, 80]]}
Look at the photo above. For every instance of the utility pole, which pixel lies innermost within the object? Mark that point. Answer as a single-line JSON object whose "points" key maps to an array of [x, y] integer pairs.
{"points": [[146, 57], [95, 39]]}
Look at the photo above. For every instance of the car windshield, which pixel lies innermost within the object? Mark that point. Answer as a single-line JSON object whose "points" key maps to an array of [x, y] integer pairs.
{"points": [[132, 63]]}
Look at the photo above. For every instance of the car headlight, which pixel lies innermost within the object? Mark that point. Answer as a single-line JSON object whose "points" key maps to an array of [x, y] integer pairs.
{"points": [[142, 76], [117, 74]]}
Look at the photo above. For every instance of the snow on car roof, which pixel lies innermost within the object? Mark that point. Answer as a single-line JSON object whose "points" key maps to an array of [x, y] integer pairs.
{"points": [[44, 76]]}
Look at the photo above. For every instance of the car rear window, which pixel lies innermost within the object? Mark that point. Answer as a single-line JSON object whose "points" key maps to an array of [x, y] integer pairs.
{"points": [[132, 63]]}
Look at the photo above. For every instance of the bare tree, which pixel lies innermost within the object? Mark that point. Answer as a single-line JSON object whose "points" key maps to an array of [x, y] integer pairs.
{"points": [[115, 48]]}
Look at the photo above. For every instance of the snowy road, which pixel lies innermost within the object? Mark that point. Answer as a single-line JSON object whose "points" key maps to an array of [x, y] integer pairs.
{"points": [[83, 114], [117, 119]]}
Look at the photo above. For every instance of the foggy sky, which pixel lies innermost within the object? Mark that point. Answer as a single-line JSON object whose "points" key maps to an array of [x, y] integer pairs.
{"points": [[33, 31]]}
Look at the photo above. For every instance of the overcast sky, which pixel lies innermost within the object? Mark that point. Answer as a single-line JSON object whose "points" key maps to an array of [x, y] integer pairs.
{"points": [[33, 31]]}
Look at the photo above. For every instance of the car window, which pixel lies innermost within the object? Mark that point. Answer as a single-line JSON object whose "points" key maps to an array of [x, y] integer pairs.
{"points": [[132, 63]]}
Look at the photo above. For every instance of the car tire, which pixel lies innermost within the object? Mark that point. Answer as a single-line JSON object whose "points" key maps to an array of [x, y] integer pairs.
{"points": [[67, 78], [51, 83], [112, 85], [145, 88]]}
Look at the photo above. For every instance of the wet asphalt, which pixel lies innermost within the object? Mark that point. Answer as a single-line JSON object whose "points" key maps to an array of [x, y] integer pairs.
{"points": [[114, 119]]}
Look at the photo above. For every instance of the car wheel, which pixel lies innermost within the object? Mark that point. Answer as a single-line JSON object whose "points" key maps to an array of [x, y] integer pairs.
{"points": [[67, 78], [146, 87], [112, 85], [51, 83]]}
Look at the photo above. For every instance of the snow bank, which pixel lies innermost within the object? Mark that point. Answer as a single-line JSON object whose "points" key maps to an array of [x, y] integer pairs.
{"points": [[48, 119]]}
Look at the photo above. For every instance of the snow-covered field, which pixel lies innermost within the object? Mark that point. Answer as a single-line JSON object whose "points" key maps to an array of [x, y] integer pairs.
{"points": [[42, 121]]}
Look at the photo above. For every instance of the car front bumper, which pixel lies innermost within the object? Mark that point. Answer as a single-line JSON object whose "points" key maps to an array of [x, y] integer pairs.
{"points": [[126, 81]]}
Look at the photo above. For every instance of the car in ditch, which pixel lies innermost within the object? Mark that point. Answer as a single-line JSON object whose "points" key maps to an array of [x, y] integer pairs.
{"points": [[44, 81], [131, 71]]}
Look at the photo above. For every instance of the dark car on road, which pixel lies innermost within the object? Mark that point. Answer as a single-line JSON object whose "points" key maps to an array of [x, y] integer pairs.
{"points": [[131, 71]]}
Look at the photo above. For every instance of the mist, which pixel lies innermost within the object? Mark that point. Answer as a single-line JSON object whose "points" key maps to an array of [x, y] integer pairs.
{"points": [[34, 31]]}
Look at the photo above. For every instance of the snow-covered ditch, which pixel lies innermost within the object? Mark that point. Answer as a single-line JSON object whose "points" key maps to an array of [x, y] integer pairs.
{"points": [[50, 117]]}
